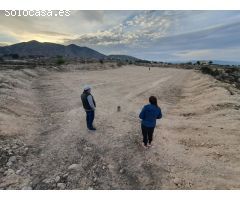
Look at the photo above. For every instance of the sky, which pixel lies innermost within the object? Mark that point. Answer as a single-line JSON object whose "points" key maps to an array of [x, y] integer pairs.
{"points": [[152, 35]]}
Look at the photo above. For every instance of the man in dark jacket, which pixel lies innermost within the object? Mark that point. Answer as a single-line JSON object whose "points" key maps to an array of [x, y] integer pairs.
{"points": [[89, 106], [149, 114]]}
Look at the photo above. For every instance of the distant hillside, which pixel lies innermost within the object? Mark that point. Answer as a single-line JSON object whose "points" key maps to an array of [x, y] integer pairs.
{"points": [[123, 58], [46, 49], [223, 62], [218, 62]]}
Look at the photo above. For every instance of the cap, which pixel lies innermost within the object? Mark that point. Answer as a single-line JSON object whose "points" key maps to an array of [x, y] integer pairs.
{"points": [[86, 87]]}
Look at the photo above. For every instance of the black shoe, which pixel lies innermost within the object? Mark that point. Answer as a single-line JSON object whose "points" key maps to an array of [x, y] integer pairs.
{"points": [[92, 129]]}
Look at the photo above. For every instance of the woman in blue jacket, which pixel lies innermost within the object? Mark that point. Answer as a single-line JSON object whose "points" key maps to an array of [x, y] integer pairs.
{"points": [[149, 114]]}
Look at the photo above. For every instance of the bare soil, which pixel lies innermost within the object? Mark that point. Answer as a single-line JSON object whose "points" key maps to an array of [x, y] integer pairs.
{"points": [[42, 125]]}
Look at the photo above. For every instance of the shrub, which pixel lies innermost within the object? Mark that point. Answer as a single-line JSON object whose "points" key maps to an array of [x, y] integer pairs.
{"points": [[15, 56], [60, 61], [120, 63], [208, 70]]}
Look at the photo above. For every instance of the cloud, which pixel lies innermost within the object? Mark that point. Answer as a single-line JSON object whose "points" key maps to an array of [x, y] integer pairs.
{"points": [[90, 15], [52, 33], [154, 35], [224, 36], [4, 43], [135, 31]]}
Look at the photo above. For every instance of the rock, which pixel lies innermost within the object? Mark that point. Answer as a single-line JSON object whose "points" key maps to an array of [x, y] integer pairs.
{"points": [[65, 175], [8, 172], [57, 179], [219, 154], [87, 149], [19, 171], [49, 181], [27, 188], [109, 166], [10, 152], [177, 181], [121, 171], [61, 186], [74, 167], [94, 179], [35, 182], [103, 167], [9, 181], [9, 164], [26, 150], [12, 159]]}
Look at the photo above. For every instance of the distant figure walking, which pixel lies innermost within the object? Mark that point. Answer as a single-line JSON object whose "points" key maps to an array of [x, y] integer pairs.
{"points": [[89, 106], [119, 108], [149, 68], [149, 114]]}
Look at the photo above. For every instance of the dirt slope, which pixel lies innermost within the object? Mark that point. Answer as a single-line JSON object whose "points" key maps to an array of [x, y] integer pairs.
{"points": [[196, 144]]}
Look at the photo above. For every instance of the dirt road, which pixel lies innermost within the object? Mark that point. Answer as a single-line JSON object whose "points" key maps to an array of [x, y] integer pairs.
{"points": [[196, 144]]}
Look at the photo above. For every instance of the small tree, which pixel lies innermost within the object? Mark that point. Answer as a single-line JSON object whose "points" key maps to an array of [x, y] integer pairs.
{"points": [[60, 60], [101, 61], [198, 62], [15, 56]]}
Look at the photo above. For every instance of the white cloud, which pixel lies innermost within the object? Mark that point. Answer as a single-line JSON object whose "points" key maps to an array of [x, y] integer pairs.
{"points": [[155, 35]]}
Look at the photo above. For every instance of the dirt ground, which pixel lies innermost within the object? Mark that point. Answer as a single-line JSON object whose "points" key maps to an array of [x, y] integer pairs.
{"points": [[43, 131]]}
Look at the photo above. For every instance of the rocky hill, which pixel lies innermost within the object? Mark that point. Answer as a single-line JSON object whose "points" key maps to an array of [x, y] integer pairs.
{"points": [[37, 49], [46, 49]]}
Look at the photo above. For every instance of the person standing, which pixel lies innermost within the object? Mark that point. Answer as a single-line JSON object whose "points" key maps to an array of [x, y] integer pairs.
{"points": [[149, 114], [89, 106]]}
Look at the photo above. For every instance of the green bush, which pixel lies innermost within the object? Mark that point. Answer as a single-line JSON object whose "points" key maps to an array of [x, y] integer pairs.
{"points": [[208, 70], [15, 56], [60, 61], [101, 61]]}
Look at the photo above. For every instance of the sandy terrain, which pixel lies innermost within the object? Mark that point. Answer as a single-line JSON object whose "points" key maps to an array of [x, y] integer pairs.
{"points": [[196, 144]]}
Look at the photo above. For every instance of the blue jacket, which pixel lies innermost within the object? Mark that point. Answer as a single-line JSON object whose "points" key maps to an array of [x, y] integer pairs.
{"points": [[149, 114]]}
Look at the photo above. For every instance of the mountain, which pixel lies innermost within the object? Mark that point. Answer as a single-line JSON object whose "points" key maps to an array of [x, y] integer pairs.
{"points": [[35, 48]]}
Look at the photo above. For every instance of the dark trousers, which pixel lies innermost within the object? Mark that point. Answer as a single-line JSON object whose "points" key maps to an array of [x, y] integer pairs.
{"points": [[147, 133], [89, 118]]}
